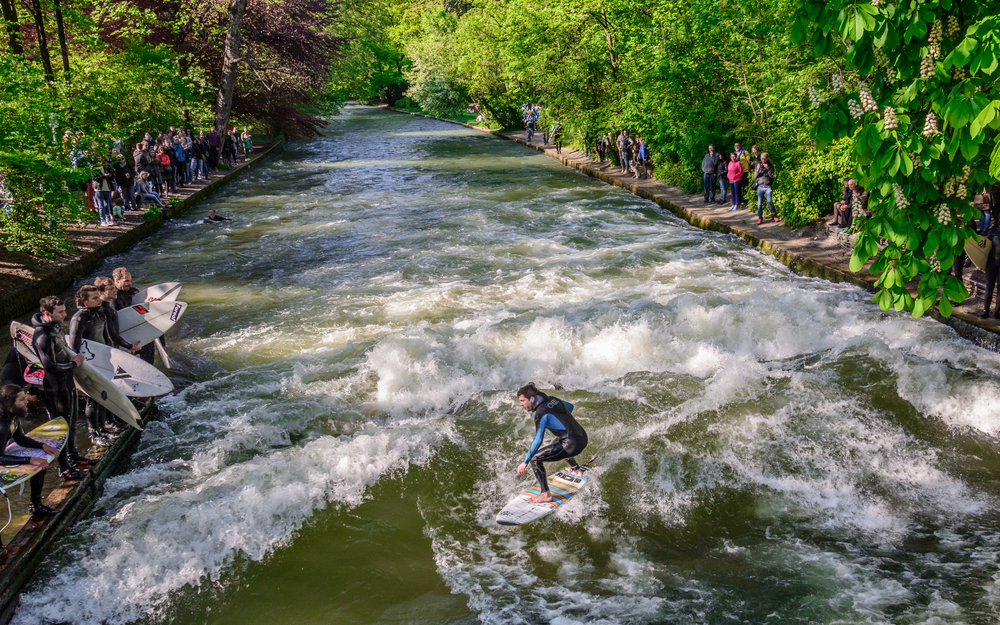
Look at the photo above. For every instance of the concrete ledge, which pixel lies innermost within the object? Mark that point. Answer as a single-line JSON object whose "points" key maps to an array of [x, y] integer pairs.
{"points": [[62, 275], [20, 558]]}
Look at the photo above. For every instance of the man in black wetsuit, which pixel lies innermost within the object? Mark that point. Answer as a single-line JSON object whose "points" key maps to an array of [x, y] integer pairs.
{"points": [[89, 322], [553, 414], [13, 408], [58, 391], [123, 282], [213, 217]]}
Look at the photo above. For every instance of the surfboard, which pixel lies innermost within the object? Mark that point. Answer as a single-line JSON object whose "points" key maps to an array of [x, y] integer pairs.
{"points": [[133, 376], [52, 433], [147, 322], [166, 292], [87, 378], [978, 252], [563, 485]]}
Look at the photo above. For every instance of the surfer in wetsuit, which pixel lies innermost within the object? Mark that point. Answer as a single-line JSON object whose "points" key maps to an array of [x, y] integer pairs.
{"points": [[123, 299], [13, 408], [58, 390], [554, 414], [89, 322], [213, 217]]}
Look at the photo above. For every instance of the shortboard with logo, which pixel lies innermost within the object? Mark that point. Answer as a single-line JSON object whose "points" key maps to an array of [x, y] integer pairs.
{"points": [[52, 433], [87, 378], [147, 322], [133, 376], [978, 252], [563, 485]]}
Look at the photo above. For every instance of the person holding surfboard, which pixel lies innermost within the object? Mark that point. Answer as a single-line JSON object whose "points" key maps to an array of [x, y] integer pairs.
{"points": [[13, 408], [58, 389], [554, 414], [123, 282], [89, 322]]}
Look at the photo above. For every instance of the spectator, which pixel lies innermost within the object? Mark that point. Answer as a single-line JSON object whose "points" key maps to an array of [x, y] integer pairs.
{"points": [[722, 174], [744, 159], [181, 159], [202, 140], [125, 178], [859, 204], [992, 270], [709, 165], [982, 204], [13, 408], [104, 184], [623, 144], [556, 136], [842, 209], [643, 158], [214, 144], [166, 171], [247, 143], [144, 191], [197, 158], [155, 170], [764, 178], [735, 175]]}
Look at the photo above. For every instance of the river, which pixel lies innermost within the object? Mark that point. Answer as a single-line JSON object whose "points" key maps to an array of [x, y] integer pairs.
{"points": [[772, 448]]}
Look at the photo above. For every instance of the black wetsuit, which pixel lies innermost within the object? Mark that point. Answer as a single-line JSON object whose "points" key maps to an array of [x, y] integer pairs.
{"points": [[13, 368], [124, 300], [58, 391], [217, 218], [10, 428], [571, 439], [111, 335], [90, 324]]}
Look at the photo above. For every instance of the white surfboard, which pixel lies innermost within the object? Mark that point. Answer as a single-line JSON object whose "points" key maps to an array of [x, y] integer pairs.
{"points": [[147, 322], [87, 378], [133, 376], [166, 292], [563, 485], [978, 252]]}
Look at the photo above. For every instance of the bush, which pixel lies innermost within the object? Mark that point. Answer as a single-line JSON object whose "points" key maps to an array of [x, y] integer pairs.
{"points": [[811, 181]]}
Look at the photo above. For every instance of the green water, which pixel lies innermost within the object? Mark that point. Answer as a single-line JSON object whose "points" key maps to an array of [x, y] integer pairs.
{"points": [[773, 449]]}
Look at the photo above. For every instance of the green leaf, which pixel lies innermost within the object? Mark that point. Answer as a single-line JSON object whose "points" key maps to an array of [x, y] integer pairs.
{"points": [[945, 307], [857, 263]]}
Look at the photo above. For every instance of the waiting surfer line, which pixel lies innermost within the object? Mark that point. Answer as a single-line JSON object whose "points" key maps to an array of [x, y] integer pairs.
{"points": [[108, 355]]}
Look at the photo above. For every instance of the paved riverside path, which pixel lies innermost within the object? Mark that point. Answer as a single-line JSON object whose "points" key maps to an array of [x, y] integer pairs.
{"points": [[819, 251]]}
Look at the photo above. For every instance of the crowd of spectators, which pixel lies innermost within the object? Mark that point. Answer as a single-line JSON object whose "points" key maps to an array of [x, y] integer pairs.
{"points": [[160, 164], [630, 154]]}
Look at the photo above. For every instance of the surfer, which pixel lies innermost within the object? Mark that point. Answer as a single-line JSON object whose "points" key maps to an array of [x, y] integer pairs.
{"points": [[123, 299], [212, 216], [58, 390], [89, 322], [553, 414], [106, 287], [13, 408]]}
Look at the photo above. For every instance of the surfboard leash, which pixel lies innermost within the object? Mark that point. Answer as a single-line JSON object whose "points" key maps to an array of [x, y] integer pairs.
{"points": [[10, 515]]}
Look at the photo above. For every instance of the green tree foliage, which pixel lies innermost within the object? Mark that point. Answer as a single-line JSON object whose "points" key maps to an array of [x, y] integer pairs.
{"points": [[373, 62], [920, 102]]}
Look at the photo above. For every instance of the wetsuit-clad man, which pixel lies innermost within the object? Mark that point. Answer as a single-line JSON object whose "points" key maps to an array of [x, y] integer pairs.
{"points": [[213, 217], [554, 414], [89, 322], [108, 291], [58, 391], [123, 282], [13, 408]]}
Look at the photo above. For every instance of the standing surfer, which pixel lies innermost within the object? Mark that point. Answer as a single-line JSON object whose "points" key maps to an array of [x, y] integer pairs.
{"points": [[123, 282], [553, 414], [58, 390]]}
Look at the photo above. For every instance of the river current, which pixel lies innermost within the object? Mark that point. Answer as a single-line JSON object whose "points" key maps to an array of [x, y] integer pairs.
{"points": [[771, 448]]}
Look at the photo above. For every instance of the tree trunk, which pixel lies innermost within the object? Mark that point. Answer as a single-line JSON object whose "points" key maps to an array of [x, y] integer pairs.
{"points": [[62, 40], [12, 22], [231, 56], [43, 46]]}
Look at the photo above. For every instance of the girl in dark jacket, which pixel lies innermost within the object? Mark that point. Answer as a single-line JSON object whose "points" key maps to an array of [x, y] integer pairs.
{"points": [[763, 179]]}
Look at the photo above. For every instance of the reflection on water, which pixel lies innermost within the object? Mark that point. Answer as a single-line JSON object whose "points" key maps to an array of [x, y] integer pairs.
{"points": [[772, 448]]}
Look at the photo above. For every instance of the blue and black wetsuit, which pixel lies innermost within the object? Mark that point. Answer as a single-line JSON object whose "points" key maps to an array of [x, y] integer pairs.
{"points": [[10, 429], [552, 413]]}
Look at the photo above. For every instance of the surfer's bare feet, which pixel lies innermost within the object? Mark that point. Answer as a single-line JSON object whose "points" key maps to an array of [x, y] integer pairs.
{"points": [[545, 497], [577, 471]]}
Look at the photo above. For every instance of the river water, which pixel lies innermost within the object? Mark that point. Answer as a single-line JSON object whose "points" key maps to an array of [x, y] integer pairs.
{"points": [[772, 448]]}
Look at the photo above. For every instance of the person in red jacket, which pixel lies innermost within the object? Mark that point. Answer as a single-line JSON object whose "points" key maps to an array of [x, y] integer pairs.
{"points": [[735, 175]]}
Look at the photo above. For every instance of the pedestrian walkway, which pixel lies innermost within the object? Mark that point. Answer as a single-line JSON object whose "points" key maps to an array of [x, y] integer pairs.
{"points": [[819, 251]]}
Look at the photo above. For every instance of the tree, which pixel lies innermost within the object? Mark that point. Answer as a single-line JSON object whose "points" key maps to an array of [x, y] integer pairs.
{"points": [[919, 97], [230, 57], [8, 8]]}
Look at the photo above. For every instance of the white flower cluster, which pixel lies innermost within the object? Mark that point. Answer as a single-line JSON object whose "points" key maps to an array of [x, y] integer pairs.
{"points": [[959, 74], [949, 187], [838, 84], [930, 125], [954, 30], [934, 262], [855, 109], [966, 172], [934, 39], [877, 3], [916, 160], [814, 97], [880, 57], [867, 101], [891, 121], [902, 202], [961, 192], [927, 66], [943, 214]]}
